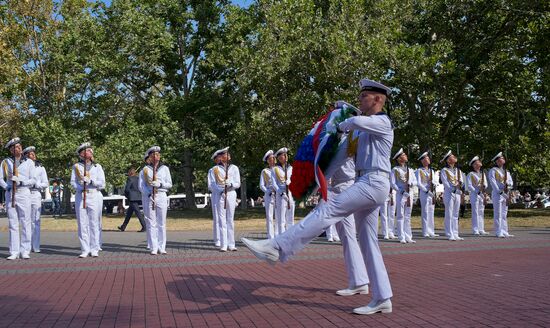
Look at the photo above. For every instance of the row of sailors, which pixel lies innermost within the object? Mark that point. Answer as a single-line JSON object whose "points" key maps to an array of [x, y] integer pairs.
{"points": [[23, 178], [399, 202]]}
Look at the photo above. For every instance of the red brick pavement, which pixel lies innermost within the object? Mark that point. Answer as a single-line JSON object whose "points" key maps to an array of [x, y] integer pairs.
{"points": [[481, 281]]}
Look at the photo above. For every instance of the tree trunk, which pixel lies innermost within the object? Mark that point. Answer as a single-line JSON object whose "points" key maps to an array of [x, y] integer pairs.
{"points": [[188, 179], [244, 203]]}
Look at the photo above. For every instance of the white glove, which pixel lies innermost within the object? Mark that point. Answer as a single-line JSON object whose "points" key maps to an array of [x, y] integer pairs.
{"points": [[155, 183], [406, 195], [343, 126], [15, 179], [228, 183], [430, 194], [285, 196], [86, 180]]}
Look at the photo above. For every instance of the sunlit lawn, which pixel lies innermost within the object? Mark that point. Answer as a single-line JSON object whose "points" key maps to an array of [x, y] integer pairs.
{"points": [[253, 219]]}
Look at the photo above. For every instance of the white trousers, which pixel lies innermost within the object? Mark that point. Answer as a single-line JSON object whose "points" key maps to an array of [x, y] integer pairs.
{"points": [[500, 215], [225, 219], [146, 213], [427, 208], [269, 204], [36, 208], [452, 208], [215, 198], [88, 221], [19, 215], [284, 213], [387, 219], [156, 218], [478, 213], [362, 199], [404, 231], [332, 233]]}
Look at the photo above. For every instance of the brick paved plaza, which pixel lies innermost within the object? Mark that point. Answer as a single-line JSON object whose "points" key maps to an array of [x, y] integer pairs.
{"points": [[482, 281]]}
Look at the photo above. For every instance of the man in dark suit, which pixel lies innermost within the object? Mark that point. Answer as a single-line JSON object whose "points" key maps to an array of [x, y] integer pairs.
{"points": [[131, 191]]}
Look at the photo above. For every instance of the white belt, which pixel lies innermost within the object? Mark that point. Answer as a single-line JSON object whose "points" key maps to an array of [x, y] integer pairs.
{"points": [[360, 173]]}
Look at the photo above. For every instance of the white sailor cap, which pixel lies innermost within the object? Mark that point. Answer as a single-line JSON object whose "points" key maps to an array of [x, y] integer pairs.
{"points": [[267, 154], [449, 153], [370, 85], [28, 150], [424, 154], [399, 152], [499, 155], [283, 150], [13, 142], [83, 146], [476, 158], [152, 150], [219, 152]]}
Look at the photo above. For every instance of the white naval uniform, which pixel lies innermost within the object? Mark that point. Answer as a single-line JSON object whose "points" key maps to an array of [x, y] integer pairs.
{"points": [[499, 197], [473, 183], [451, 198], [226, 205], [399, 183], [88, 218], [146, 210], [387, 216], [21, 213], [426, 190], [156, 213], [284, 213], [266, 186], [362, 199], [214, 199], [41, 183], [342, 179]]}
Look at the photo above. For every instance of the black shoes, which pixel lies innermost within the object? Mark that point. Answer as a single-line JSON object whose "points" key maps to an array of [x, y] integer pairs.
{"points": [[121, 228]]}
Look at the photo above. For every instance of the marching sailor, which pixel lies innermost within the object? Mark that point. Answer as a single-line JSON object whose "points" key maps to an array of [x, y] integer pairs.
{"points": [[18, 173], [87, 178], [284, 205], [41, 183], [501, 183], [155, 182], [425, 176]]}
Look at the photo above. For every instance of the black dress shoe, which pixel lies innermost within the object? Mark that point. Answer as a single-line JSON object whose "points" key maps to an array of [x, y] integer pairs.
{"points": [[120, 228], [142, 230]]}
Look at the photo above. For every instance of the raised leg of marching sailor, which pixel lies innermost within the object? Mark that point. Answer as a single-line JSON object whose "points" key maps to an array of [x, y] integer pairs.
{"points": [[19, 218], [353, 258], [36, 208]]}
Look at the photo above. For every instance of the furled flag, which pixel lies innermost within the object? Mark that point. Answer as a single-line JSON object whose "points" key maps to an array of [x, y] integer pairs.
{"points": [[317, 151]]}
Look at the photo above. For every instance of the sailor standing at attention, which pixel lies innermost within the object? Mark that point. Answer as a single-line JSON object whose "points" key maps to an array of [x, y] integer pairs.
{"points": [[155, 182], [214, 197], [501, 183], [284, 202], [87, 178], [266, 185], [402, 179], [40, 184], [477, 183], [18, 173], [425, 176], [453, 182]]}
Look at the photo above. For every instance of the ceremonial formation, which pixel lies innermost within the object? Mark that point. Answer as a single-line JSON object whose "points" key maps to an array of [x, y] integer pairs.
{"points": [[345, 159]]}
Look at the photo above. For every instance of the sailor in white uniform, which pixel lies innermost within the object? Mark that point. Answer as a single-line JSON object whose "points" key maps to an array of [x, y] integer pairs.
{"points": [[427, 182], [284, 203], [87, 178], [155, 182], [402, 179], [501, 184], [453, 182], [18, 173], [41, 183], [214, 198], [477, 183], [363, 198], [266, 185]]}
